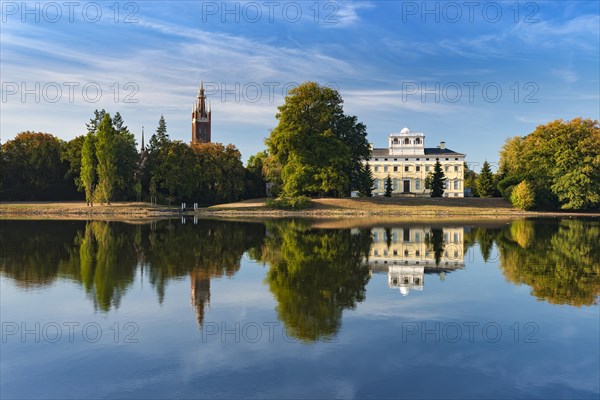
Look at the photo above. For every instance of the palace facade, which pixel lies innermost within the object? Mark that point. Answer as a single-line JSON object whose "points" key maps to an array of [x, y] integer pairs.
{"points": [[408, 162]]}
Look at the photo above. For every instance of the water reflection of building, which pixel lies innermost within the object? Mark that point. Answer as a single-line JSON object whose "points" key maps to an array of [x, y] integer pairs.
{"points": [[200, 293], [407, 254]]}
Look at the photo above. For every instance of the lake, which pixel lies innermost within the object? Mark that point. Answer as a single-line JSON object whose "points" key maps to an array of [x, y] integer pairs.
{"points": [[300, 309]]}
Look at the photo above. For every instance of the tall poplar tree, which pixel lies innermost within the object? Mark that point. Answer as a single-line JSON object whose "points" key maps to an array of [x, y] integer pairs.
{"points": [[89, 163], [106, 146]]}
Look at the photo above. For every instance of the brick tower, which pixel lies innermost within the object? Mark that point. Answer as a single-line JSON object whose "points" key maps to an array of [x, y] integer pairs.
{"points": [[201, 118]]}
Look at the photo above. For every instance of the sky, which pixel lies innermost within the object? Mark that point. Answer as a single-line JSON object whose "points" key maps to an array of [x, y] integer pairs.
{"points": [[471, 74]]}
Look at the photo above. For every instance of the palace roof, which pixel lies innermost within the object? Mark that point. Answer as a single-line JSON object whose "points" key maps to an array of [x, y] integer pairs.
{"points": [[385, 152]]}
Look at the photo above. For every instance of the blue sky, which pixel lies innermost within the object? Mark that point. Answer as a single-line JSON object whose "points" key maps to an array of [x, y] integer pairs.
{"points": [[542, 56]]}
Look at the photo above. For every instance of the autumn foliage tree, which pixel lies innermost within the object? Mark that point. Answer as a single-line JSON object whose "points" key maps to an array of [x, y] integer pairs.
{"points": [[559, 160]]}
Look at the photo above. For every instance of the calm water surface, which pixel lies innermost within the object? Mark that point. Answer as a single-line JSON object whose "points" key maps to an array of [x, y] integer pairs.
{"points": [[300, 309]]}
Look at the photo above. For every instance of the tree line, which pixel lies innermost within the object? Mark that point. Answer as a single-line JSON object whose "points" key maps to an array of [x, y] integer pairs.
{"points": [[105, 165]]}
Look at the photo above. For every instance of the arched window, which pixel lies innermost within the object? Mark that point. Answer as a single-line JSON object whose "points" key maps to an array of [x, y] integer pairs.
{"points": [[417, 141], [395, 141], [406, 141]]}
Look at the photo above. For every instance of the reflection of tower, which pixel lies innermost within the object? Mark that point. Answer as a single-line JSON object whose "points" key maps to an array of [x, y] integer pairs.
{"points": [[201, 118], [200, 294]]}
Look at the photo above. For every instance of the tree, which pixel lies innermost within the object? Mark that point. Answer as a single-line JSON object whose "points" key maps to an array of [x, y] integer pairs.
{"points": [[106, 153], [177, 172], [560, 161], [255, 179], [71, 153], [156, 149], [89, 164], [159, 139], [92, 126], [318, 148], [523, 196], [485, 181], [221, 172], [126, 158], [32, 168], [367, 181], [438, 180], [388, 187], [470, 178], [118, 123]]}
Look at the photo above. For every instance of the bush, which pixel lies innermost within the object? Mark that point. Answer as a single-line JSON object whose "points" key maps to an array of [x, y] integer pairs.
{"points": [[523, 196], [289, 203]]}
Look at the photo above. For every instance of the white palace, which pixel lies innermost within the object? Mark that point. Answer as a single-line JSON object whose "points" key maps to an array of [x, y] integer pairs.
{"points": [[408, 162]]}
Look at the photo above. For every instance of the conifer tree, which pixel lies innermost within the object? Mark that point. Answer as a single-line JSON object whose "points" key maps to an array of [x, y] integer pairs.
{"points": [[437, 181], [485, 181], [388, 187]]}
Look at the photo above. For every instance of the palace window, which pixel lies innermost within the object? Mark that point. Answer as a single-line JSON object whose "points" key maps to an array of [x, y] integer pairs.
{"points": [[395, 168], [427, 168], [385, 168], [456, 184], [446, 159], [417, 184], [395, 184], [406, 141], [418, 167], [456, 168], [446, 168], [417, 141], [376, 183], [406, 168]]}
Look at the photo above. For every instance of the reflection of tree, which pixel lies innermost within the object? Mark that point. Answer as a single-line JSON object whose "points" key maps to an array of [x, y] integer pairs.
{"points": [[435, 242], [107, 261], [558, 260], [103, 256], [315, 275]]}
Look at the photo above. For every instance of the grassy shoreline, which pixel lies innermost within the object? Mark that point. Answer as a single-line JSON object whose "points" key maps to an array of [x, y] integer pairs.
{"points": [[378, 207]]}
